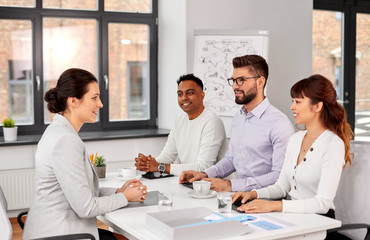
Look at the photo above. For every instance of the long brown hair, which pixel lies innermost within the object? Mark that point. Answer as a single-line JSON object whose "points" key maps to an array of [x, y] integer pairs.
{"points": [[319, 89]]}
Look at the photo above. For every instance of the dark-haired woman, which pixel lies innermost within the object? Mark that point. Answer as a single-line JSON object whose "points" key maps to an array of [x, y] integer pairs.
{"points": [[68, 197], [314, 158]]}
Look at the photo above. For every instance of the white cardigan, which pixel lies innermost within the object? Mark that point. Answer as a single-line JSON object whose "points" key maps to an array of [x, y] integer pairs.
{"points": [[312, 184]]}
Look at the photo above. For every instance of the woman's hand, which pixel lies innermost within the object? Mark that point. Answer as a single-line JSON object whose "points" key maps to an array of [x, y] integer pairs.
{"points": [[134, 191], [244, 196], [133, 182], [135, 194], [261, 206]]}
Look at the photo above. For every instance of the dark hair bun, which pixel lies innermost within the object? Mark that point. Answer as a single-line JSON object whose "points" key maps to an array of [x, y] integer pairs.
{"points": [[72, 82], [54, 104]]}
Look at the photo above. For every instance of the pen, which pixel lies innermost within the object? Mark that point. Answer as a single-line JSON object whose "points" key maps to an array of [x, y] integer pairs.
{"points": [[95, 158]]}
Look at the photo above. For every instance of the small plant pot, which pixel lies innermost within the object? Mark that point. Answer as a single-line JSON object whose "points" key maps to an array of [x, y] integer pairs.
{"points": [[100, 171], [10, 134]]}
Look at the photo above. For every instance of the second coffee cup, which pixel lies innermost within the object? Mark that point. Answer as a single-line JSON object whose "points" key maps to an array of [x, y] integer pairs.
{"points": [[127, 173], [201, 187]]}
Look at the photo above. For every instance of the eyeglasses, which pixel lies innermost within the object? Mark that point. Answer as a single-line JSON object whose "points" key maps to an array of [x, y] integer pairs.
{"points": [[239, 80]]}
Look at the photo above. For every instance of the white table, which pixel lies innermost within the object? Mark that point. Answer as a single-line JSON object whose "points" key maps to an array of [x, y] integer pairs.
{"points": [[130, 222]]}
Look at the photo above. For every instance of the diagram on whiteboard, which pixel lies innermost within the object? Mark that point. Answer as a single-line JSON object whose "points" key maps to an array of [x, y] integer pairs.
{"points": [[213, 64]]}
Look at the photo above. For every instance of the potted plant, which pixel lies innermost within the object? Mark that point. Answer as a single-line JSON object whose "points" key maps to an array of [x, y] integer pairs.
{"points": [[100, 166], [10, 130]]}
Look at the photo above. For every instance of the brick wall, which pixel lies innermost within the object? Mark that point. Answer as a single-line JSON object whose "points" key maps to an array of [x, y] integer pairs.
{"points": [[79, 34], [327, 39]]}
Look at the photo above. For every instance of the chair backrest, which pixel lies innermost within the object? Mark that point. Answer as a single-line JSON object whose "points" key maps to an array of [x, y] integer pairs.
{"points": [[3, 201], [352, 200], [5, 226]]}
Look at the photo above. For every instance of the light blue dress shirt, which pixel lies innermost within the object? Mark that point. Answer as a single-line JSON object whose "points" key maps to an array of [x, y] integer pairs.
{"points": [[257, 148]]}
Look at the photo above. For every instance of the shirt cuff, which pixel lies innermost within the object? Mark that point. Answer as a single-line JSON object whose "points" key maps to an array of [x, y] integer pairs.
{"points": [[244, 185], [293, 206], [175, 169], [238, 185], [211, 172], [263, 193]]}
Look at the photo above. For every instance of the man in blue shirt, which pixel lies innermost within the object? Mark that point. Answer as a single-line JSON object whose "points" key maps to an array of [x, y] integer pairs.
{"points": [[259, 134]]}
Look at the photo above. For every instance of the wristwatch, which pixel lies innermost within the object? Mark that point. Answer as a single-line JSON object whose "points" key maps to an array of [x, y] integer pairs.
{"points": [[161, 168]]}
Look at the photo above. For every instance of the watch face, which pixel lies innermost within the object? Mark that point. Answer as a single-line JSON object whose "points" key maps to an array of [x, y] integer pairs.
{"points": [[162, 168]]}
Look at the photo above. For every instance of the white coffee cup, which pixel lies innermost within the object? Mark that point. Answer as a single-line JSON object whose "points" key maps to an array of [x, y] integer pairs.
{"points": [[127, 173], [201, 187]]}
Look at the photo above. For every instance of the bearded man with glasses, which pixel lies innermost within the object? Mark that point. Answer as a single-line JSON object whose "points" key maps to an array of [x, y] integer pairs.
{"points": [[259, 134]]}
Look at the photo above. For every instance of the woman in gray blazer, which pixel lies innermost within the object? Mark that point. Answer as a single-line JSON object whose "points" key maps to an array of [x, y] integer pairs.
{"points": [[68, 197]]}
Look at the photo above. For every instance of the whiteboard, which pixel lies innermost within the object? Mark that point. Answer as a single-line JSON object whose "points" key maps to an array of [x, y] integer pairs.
{"points": [[214, 52]]}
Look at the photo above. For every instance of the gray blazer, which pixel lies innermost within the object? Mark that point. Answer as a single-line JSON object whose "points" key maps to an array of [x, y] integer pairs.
{"points": [[68, 197]]}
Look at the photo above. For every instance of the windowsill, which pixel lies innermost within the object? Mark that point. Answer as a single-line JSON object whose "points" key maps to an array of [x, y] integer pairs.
{"points": [[93, 136]]}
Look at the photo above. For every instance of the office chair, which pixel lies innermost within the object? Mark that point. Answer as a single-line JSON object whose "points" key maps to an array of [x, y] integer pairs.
{"points": [[60, 237], [351, 206], [354, 226], [5, 226]]}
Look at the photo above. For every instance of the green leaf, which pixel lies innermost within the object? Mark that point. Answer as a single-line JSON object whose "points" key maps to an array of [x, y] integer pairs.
{"points": [[8, 123], [100, 161]]}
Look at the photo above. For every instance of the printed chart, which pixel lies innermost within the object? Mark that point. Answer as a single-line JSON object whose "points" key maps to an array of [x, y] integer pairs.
{"points": [[213, 64]]}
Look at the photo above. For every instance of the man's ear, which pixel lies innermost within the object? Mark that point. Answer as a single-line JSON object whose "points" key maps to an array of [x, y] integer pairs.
{"points": [[261, 81]]}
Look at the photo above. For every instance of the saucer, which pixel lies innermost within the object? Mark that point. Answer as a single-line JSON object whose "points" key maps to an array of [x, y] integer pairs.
{"points": [[138, 176], [209, 195]]}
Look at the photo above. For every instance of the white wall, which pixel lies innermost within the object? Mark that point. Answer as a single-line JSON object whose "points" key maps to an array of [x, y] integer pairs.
{"points": [[23, 157], [290, 49], [171, 57]]}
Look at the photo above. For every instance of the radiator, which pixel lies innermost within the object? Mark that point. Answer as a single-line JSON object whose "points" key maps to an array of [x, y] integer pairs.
{"points": [[18, 187]]}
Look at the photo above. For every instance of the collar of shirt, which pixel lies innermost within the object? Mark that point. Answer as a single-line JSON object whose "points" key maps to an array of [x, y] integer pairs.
{"points": [[257, 111], [64, 121]]}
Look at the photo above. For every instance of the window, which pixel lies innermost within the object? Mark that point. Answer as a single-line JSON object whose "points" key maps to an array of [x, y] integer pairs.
{"points": [[67, 4], [16, 70], [115, 41], [341, 43], [362, 97], [128, 44], [18, 3], [67, 42], [327, 47], [129, 6]]}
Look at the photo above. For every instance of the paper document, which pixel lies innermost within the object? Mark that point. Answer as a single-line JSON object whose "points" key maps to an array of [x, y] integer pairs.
{"points": [[270, 223], [213, 217]]}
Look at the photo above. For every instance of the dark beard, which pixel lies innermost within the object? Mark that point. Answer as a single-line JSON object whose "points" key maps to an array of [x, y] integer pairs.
{"points": [[246, 98]]}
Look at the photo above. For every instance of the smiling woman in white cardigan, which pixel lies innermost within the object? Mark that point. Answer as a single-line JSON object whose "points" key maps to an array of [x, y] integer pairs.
{"points": [[68, 197], [314, 158]]}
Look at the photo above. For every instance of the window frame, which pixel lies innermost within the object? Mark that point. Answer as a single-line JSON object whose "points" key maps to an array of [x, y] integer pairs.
{"points": [[350, 9], [36, 15]]}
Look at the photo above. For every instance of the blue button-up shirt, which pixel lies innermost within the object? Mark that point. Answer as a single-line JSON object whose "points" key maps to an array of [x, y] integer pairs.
{"points": [[257, 148]]}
